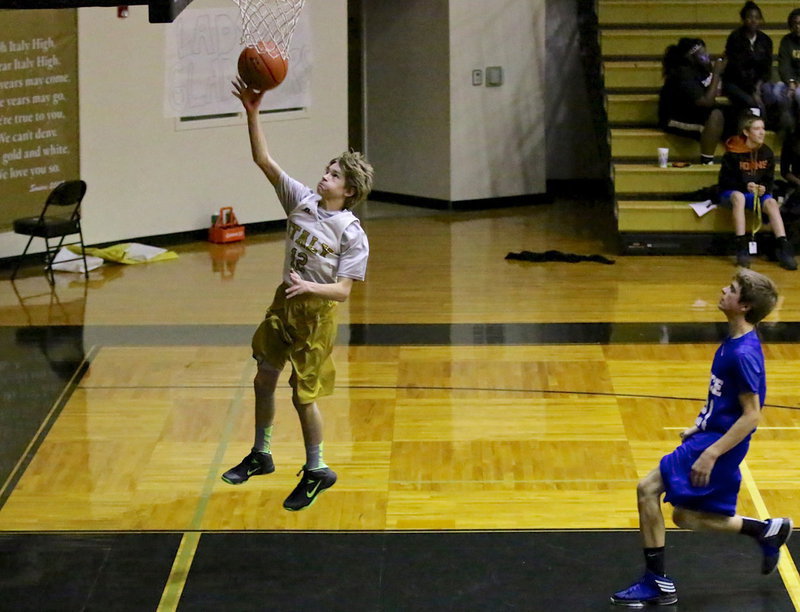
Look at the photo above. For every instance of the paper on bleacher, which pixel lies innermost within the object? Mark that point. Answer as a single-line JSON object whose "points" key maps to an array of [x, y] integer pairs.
{"points": [[702, 208]]}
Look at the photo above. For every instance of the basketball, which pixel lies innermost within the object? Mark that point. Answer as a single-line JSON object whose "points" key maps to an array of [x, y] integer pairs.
{"points": [[259, 69]]}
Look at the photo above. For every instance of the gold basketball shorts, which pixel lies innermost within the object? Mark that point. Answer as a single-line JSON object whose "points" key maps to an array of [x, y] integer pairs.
{"points": [[300, 330]]}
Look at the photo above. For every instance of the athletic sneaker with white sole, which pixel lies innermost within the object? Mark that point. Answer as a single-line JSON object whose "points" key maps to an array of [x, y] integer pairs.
{"points": [[649, 589]]}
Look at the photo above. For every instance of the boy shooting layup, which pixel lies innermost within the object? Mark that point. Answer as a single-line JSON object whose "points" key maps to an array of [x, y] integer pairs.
{"points": [[701, 477], [326, 250]]}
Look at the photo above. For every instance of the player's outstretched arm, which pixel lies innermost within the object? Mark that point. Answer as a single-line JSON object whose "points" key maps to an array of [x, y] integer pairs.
{"points": [[251, 100]]}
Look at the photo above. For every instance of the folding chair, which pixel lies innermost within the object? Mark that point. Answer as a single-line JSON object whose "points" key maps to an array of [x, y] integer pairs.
{"points": [[48, 226]]}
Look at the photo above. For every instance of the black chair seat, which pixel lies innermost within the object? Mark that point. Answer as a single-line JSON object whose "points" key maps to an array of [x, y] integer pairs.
{"points": [[46, 228], [66, 196]]}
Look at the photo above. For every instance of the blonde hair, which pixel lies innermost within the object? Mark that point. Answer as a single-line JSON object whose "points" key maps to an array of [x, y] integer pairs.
{"points": [[758, 292], [748, 122], [358, 174]]}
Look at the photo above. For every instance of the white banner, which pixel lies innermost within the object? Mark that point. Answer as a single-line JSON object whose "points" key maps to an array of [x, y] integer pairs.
{"points": [[202, 50]]}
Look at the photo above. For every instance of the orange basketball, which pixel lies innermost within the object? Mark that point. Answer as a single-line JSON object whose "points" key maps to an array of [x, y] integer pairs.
{"points": [[259, 69]]}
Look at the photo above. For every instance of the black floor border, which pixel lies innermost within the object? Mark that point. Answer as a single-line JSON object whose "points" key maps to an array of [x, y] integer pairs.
{"points": [[466, 571], [433, 334], [381, 570]]}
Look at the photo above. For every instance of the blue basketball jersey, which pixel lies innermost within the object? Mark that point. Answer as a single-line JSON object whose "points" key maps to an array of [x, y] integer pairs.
{"points": [[738, 367]]}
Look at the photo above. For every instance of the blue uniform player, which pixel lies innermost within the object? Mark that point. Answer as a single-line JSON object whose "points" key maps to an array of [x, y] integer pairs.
{"points": [[701, 477]]}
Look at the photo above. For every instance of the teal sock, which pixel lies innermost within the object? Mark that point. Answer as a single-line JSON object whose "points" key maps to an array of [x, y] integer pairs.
{"points": [[263, 440], [314, 459]]}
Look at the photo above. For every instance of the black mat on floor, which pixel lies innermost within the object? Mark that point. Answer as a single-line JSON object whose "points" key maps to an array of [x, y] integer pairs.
{"points": [[84, 572], [569, 570]]}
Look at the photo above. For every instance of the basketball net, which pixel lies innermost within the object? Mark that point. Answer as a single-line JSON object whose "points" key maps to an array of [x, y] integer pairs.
{"points": [[269, 25]]}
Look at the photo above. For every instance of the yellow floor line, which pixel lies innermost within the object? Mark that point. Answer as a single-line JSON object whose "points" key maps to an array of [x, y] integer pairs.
{"points": [[188, 546], [179, 572], [786, 566]]}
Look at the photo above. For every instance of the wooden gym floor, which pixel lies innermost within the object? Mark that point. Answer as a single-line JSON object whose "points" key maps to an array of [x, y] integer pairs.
{"points": [[490, 423]]}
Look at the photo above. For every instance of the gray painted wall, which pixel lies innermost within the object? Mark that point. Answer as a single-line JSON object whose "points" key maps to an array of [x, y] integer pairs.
{"points": [[431, 133], [408, 96]]}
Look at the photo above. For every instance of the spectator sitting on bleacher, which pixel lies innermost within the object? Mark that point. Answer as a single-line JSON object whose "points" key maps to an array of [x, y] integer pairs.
{"points": [[789, 69], [790, 161], [790, 171], [747, 80], [687, 102], [745, 182]]}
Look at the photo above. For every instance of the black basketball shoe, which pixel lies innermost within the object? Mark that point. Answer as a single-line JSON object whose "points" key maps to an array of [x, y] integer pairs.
{"points": [[776, 534], [255, 464], [310, 486]]}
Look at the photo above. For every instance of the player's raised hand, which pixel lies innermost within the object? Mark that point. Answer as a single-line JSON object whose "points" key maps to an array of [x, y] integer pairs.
{"points": [[251, 99]]}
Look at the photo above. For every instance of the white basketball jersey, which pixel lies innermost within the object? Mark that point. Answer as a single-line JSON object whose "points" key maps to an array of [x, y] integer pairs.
{"points": [[313, 238]]}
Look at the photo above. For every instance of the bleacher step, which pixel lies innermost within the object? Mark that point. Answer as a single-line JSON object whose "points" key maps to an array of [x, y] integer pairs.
{"points": [[669, 216], [641, 43], [643, 74], [640, 179], [638, 109], [643, 142], [690, 12]]}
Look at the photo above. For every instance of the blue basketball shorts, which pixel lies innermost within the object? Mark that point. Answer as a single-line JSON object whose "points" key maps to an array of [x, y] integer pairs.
{"points": [[720, 494], [749, 201]]}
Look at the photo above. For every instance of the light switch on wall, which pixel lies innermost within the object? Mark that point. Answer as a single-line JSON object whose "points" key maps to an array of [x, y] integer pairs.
{"points": [[494, 76], [477, 77]]}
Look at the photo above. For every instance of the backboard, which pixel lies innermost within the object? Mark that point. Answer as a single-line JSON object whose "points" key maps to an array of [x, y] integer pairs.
{"points": [[161, 11]]}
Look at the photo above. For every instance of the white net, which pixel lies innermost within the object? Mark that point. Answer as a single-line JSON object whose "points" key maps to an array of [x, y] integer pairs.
{"points": [[268, 25]]}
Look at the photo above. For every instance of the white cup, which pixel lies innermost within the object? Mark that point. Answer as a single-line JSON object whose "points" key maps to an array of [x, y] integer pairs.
{"points": [[663, 157]]}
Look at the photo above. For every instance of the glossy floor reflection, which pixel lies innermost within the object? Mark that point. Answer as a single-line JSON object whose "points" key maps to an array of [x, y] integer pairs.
{"points": [[442, 268]]}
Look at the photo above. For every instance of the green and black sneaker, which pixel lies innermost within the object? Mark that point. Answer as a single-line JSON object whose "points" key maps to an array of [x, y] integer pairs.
{"points": [[311, 485], [255, 464]]}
